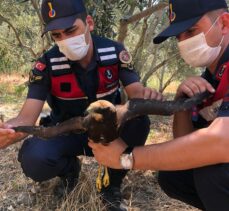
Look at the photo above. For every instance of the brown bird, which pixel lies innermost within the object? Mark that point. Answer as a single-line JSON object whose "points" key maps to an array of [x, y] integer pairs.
{"points": [[103, 121], [102, 115]]}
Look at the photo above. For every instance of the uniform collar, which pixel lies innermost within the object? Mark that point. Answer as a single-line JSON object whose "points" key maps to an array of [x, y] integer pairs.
{"points": [[96, 55], [224, 58]]}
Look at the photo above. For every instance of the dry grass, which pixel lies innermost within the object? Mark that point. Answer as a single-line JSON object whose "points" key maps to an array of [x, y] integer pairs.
{"points": [[140, 189], [85, 196]]}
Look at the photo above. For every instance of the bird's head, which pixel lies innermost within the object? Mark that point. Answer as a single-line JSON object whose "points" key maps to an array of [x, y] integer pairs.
{"points": [[101, 122]]}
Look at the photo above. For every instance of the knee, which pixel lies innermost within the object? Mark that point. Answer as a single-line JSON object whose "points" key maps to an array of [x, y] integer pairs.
{"points": [[34, 161], [142, 123], [135, 132], [212, 186], [166, 183], [210, 177]]}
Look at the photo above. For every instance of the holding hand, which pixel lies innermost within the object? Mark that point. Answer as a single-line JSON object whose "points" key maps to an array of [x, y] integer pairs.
{"points": [[152, 94], [192, 86], [109, 155], [8, 136]]}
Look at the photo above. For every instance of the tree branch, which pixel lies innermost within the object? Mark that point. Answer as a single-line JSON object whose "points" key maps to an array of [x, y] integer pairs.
{"points": [[149, 73], [168, 82], [126, 21], [18, 36], [37, 9], [141, 39]]}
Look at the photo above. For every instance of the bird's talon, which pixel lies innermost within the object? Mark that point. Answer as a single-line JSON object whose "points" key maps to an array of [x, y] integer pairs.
{"points": [[106, 182], [106, 178], [99, 184], [99, 179]]}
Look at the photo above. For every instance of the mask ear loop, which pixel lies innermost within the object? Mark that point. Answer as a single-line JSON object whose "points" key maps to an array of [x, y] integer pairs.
{"points": [[87, 27], [212, 26], [211, 29], [221, 40]]}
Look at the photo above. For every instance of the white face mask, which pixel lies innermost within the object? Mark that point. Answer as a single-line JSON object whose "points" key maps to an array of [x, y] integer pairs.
{"points": [[197, 53], [74, 48]]}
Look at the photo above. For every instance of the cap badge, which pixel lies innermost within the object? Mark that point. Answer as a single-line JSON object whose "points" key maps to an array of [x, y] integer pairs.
{"points": [[52, 12], [172, 14]]}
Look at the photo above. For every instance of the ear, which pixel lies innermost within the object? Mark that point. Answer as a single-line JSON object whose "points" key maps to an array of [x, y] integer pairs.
{"points": [[90, 23], [51, 37], [224, 20]]}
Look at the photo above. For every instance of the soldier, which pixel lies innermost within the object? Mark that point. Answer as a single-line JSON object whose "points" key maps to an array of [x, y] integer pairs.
{"points": [[81, 68], [194, 166]]}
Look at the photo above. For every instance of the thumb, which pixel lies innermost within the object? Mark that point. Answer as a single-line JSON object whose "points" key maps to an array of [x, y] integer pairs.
{"points": [[7, 126]]}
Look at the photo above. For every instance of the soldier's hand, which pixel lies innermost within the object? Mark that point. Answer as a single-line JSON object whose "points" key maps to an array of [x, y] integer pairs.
{"points": [[152, 94], [8, 136], [109, 155], [192, 86]]}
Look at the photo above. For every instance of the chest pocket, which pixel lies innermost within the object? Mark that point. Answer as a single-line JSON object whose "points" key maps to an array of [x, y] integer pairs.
{"points": [[211, 112], [108, 80], [210, 109], [65, 86]]}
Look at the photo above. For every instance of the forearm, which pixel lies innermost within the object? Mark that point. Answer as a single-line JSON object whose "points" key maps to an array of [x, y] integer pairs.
{"points": [[27, 117], [20, 121], [28, 114], [192, 151], [182, 124], [135, 90]]}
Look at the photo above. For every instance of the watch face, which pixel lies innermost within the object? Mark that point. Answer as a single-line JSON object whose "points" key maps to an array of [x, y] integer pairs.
{"points": [[126, 161]]}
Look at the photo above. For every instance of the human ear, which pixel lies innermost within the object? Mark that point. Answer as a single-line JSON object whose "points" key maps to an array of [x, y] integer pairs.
{"points": [[90, 23], [224, 22]]}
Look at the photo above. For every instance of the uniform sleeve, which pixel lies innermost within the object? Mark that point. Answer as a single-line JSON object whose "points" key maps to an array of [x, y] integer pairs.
{"points": [[127, 73], [224, 109], [39, 81]]}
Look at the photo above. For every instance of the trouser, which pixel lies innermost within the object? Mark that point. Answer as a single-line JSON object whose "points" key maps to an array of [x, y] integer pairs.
{"points": [[206, 188], [42, 160]]}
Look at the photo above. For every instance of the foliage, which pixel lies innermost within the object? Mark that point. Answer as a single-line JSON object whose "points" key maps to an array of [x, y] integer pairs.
{"points": [[24, 20], [12, 88], [21, 27], [23, 16]]}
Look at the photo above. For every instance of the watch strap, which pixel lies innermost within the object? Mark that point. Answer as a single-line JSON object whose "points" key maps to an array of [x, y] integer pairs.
{"points": [[128, 150]]}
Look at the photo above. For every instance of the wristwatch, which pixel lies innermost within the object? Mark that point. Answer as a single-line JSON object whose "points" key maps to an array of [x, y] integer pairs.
{"points": [[127, 159]]}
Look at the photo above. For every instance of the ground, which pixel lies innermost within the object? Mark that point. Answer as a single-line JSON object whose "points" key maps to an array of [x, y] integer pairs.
{"points": [[17, 192]]}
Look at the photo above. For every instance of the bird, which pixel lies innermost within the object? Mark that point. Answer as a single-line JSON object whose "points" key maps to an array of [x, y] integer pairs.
{"points": [[104, 121], [102, 114]]}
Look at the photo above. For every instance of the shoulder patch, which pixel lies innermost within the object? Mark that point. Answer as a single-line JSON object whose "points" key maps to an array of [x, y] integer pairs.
{"points": [[40, 66], [34, 78], [125, 57], [128, 66]]}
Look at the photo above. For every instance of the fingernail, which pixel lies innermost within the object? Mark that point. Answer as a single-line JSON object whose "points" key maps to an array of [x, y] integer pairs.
{"points": [[9, 126]]}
